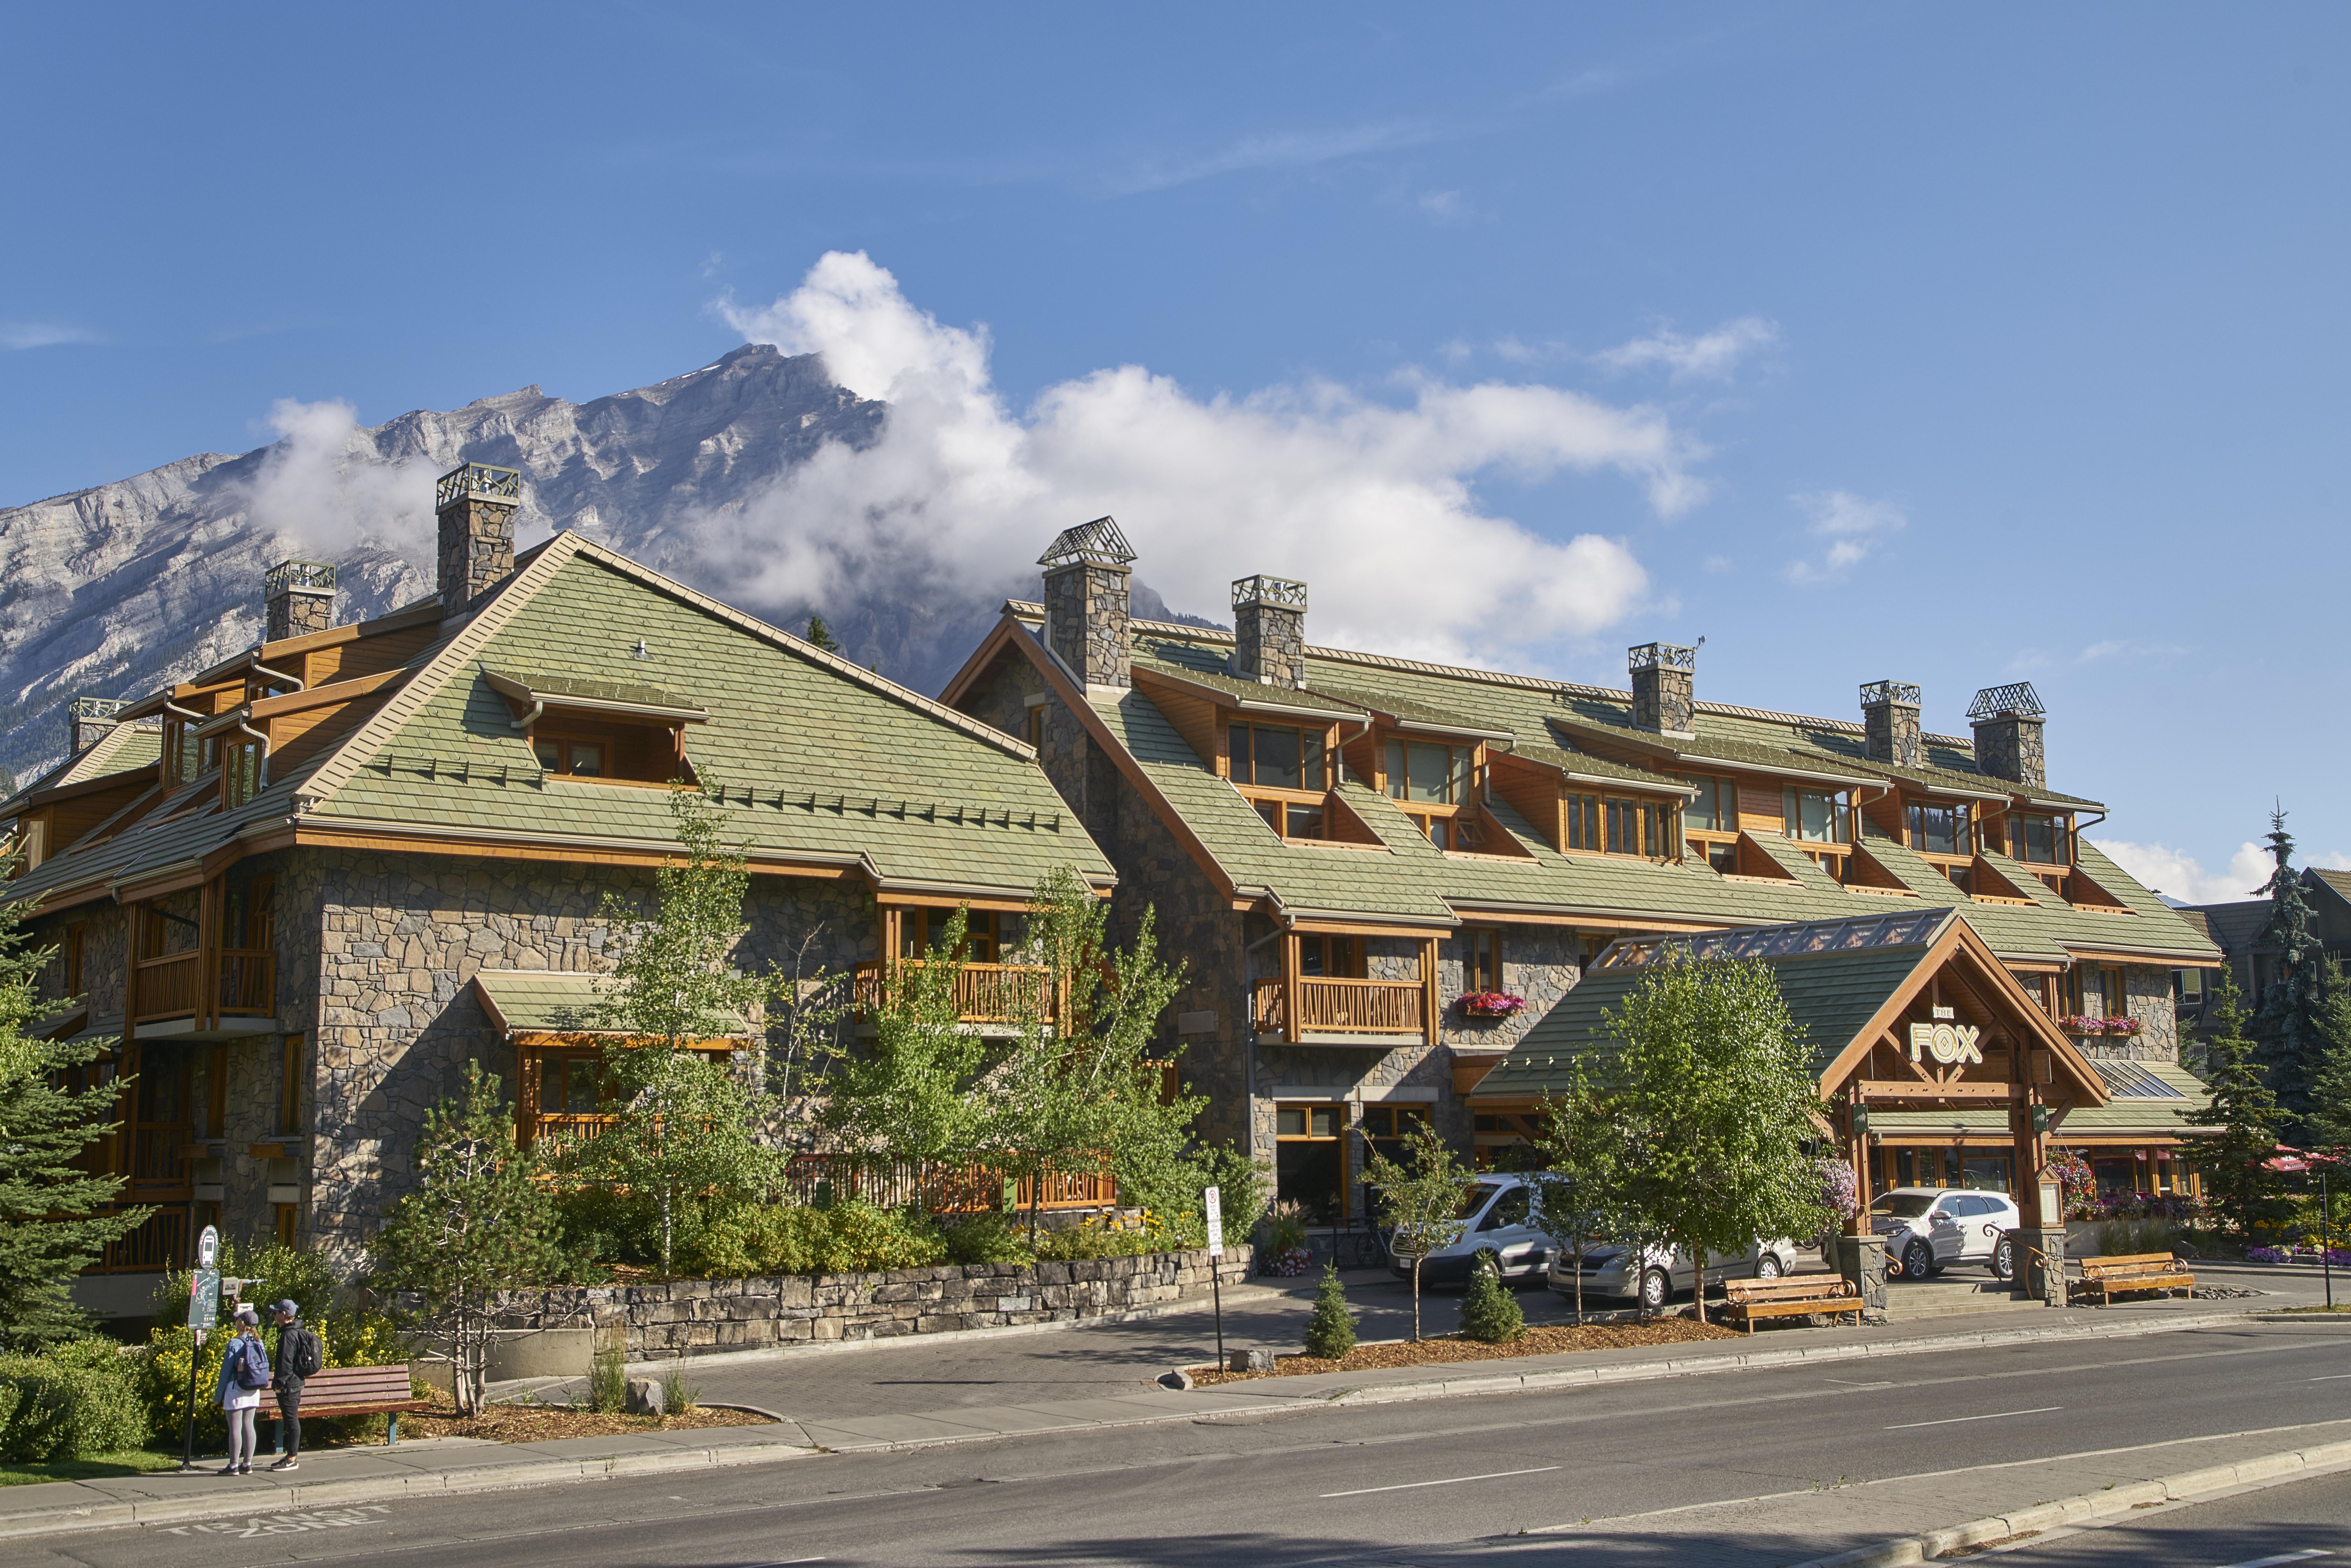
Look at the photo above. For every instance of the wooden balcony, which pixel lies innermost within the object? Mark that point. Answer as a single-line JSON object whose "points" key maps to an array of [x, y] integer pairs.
{"points": [[244, 984], [1398, 1008], [1002, 994], [943, 1189]]}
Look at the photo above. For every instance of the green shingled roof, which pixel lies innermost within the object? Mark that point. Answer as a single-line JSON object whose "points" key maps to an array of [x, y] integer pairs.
{"points": [[551, 1002]]}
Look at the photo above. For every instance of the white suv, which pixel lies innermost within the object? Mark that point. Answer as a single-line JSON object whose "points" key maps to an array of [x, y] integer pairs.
{"points": [[1927, 1229]]}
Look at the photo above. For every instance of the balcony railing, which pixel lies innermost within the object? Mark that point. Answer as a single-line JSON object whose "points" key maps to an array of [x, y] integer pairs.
{"points": [[172, 987], [1342, 1007], [160, 1243], [941, 1189], [984, 993]]}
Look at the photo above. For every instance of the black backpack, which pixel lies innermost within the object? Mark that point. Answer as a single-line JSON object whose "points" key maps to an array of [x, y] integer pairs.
{"points": [[307, 1361]]}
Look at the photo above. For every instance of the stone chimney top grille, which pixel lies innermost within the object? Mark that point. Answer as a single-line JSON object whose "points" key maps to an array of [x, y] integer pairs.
{"points": [[1660, 656], [96, 707], [2019, 699], [477, 481], [1098, 543], [1275, 592], [298, 577], [1876, 692]]}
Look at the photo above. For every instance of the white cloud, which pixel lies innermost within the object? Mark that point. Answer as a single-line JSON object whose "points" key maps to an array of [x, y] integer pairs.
{"points": [[323, 488], [2126, 650], [1278, 150], [1372, 503], [1852, 525], [2181, 876], [1709, 356], [42, 334]]}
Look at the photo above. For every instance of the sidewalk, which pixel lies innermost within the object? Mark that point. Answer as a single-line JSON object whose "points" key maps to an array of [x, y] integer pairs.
{"points": [[909, 1393]]}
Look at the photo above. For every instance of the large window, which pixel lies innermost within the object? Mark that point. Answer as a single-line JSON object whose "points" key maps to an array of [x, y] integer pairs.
{"points": [[1816, 816], [1622, 825], [2038, 841], [920, 930], [1291, 819], [570, 1086], [1940, 830], [1330, 958], [1424, 771], [1310, 1160], [2097, 992], [1278, 757], [1716, 807], [1481, 959], [242, 773]]}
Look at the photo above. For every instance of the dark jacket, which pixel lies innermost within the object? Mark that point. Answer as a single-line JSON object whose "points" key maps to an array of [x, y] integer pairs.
{"points": [[282, 1367]]}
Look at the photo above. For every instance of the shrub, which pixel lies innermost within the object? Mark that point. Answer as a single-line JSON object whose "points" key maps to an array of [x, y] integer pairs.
{"points": [[986, 1238], [855, 1237], [79, 1400], [608, 1383], [1329, 1328], [1242, 1191], [1100, 1238], [1488, 1313]]}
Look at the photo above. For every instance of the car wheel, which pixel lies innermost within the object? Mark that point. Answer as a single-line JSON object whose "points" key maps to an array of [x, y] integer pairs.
{"points": [[1767, 1267], [2004, 1260], [1655, 1291], [1918, 1263]]}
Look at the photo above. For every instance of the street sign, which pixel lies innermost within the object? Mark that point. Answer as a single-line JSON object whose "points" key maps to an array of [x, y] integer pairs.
{"points": [[203, 1299], [208, 1249], [1213, 1201]]}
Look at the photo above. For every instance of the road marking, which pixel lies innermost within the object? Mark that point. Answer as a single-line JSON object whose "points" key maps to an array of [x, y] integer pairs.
{"points": [[1449, 1481], [2273, 1561], [2330, 1377], [1955, 1420]]}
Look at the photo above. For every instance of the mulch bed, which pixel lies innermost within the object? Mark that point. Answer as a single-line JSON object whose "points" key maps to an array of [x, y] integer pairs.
{"points": [[1546, 1340], [546, 1423]]}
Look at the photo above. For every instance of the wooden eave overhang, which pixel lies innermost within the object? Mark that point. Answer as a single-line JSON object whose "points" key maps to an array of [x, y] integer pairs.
{"points": [[1145, 678], [548, 693], [142, 778], [1665, 784], [402, 620]]}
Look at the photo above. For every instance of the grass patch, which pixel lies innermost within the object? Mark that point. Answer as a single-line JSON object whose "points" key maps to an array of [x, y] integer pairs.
{"points": [[2342, 1307], [125, 1462]]}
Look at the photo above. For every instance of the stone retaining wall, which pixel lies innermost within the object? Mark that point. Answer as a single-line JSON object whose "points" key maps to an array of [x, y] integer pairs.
{"points": [[702, 1317]]}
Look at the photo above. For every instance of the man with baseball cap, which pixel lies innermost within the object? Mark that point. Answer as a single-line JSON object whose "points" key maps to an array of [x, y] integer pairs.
{"points": [[299, 1356]]}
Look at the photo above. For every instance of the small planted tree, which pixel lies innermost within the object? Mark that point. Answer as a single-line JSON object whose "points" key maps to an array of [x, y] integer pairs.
{"points": [[480, 1221], [1489, 1313], [1580, 1149], [2242, 1189], [1420, 1200], [1331, 1327], [906, 1094]]}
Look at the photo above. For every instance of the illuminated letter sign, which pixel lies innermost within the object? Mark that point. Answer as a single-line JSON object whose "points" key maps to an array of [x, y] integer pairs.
{"points": [[1945, 1042]]}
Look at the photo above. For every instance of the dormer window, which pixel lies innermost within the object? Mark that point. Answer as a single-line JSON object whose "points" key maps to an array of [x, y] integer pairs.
{"points": [[2036, 840], [1426, 772], [570, 758], [1816, 816], [242, 771], [602, 731], [1938, 829], [1622, 825], [1278, 757]]}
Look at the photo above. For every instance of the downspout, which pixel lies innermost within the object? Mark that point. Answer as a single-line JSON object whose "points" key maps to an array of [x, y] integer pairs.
{"points": [[1248, 1041], [294, 681], [261, 779], [538, 707]]}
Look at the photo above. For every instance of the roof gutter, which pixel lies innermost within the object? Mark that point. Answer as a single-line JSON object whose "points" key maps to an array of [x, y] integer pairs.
{"points": [[261, 669], [1776, 771]]}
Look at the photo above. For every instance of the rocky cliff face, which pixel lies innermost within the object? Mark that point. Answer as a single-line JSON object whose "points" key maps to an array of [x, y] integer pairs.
{"points": [[111, 591]]}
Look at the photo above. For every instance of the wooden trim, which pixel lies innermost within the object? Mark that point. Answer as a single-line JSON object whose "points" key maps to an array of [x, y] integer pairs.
{"points": [[309, 835], [1291, 1010], [1887, 1092], [324, 697], [1350, 928]]}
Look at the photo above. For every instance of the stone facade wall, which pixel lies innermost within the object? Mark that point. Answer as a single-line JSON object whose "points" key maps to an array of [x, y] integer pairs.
{"points": [[2147, 993], [2010, 747], [1541, 963], [1269, 644], [1893, 734], [296, 613], [702, 1317], [476, 549], [1665, 698], [1087, 622]]}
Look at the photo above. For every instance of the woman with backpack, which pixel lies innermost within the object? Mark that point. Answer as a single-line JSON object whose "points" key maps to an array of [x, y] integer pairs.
{"points": [[244, 1373]]}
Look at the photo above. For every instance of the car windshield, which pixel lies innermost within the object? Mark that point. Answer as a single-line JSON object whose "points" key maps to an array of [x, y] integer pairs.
{"points": [[1903, 1205], [1475, 1200]]}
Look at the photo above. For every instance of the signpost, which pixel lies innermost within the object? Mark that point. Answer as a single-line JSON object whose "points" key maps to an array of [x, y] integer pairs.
{"points": [[203, 1310], [1213, 1201]]}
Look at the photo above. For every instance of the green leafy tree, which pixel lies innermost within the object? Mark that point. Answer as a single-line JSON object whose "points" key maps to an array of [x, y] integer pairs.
{"points": [[1080, 1081], [2302, 1015], [1489, 1313], [819, 636], [1420, 1199], [1330, 1327], [1711, 1083], [2242, 1190], [1580, 1151], [55, 1218], [481, 1220], [690, 1119]]}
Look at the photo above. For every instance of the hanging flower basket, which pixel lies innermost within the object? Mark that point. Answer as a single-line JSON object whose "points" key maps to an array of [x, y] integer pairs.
{"points": [[1491, 1004]]}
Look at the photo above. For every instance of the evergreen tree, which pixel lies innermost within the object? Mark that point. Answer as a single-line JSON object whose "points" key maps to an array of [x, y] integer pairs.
{"points": [[2302, 1013], [1489, 1313], [1330, 1327], [2241, 1188], [480, 1221], [2328, 1124], [819, 636], [53, 1219]]}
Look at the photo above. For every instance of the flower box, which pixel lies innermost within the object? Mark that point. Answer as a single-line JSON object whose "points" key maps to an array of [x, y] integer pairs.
{"points": [[2119, 1027], [1491, 1004]]}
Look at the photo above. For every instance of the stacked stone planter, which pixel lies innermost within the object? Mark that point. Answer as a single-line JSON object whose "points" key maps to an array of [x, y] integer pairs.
{"points": [[703, 1317]]}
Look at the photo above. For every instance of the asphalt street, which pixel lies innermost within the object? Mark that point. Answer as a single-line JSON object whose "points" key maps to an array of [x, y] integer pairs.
{"points": [[1439, 1481], [2301, 1521]]}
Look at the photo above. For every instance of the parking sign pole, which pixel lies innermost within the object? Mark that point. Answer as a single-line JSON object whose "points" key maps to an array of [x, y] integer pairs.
{"points": [[203, 1303], [1212, 1200]]}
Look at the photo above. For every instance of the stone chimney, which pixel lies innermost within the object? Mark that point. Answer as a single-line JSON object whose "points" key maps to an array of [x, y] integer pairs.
{"points": [[297, 597], [1269, 632], [93, 720], [476, 506], [1665, 679], [1086, 619], [1889, 714], [2008, 721]]}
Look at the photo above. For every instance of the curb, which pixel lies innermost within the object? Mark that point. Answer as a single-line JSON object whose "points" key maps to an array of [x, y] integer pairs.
{"points": [[1931, 1544], [309, 1497]]}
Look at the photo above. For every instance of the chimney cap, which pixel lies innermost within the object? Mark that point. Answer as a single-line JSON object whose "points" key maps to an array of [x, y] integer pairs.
{"points": [[2017, 701], [1098, 543], [298, 577], [96, 707], [1661, 655], [1279, 592], [1876, 692], [477, 481]]}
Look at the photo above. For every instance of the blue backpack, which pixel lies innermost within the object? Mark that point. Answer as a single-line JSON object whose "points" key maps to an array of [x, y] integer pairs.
{"points": [[250, 1369]]}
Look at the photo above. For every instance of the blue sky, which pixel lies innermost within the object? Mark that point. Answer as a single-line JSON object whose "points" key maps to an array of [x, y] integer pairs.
{"points": [[1970, 349]]}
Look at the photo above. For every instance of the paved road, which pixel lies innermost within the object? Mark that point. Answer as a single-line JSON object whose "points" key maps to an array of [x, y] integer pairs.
{"points": [[2301, 1521], [1443, 1481]]}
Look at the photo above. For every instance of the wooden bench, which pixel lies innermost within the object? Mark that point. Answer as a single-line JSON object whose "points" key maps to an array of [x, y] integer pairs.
{"points": [[1747, 1300], [356, 1391], [2137, 1272]]}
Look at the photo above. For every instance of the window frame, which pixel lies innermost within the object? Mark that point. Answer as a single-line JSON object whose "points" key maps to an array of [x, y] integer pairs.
{"points": [[244, 770], [1461, 779], [1481, 958], [2061, 838], [1338, 1140], [1964, 840], [1593, 817]]}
